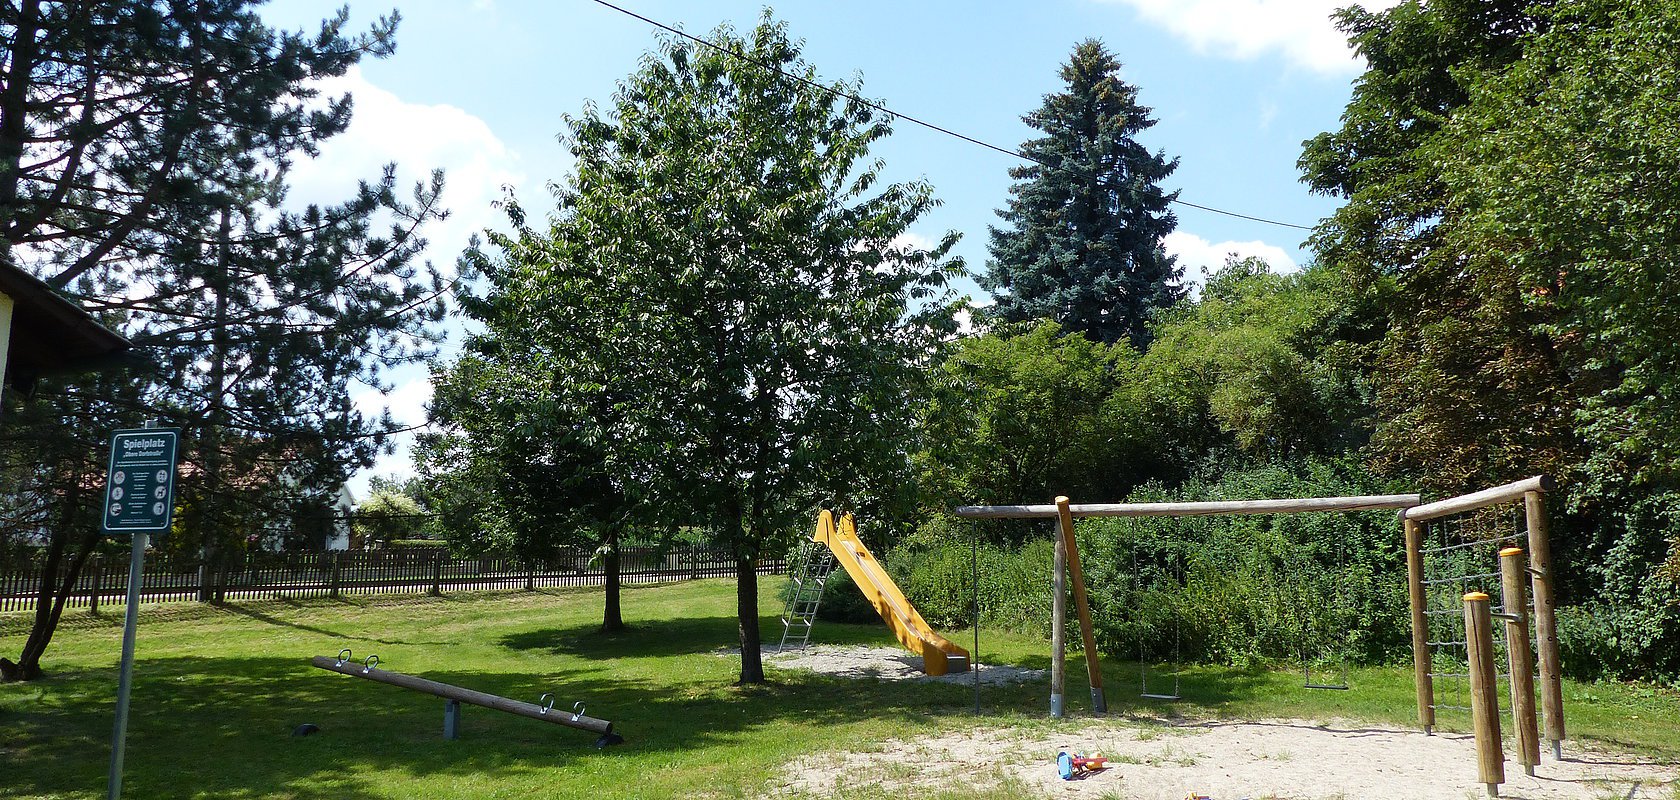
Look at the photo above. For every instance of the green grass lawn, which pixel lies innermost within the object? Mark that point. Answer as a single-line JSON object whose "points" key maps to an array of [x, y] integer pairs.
{"points": [[219, 690]]}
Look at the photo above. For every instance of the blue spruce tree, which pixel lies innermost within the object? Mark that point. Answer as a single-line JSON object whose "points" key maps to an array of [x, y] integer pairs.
{"points": [[1086, 220]]}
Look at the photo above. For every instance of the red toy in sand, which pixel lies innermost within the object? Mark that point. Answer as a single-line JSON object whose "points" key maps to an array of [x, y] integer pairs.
{"points": [[1074, 765]]}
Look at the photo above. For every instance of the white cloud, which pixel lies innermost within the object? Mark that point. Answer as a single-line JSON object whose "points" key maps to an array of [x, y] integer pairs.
{"points": [[1300, 30], [407, 400], [1198, 256], [419, 138]]}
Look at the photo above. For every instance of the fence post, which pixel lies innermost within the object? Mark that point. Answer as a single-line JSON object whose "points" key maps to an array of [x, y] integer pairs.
{"points": [[1545, 618], [1484, 691], [333, 575], [1420, 626], [530, 574], [437, 574], [93, 595], [1515, 600]]}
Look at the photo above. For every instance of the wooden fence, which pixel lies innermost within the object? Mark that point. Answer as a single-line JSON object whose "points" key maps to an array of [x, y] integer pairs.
{"points": [[104, 580]]}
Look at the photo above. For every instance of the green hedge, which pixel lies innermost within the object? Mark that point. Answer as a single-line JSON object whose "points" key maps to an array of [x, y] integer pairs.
{"points": [[1260, 589]]}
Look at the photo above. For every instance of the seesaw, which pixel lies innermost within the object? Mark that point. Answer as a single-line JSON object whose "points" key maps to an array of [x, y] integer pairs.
{"points": [[454, 696]]}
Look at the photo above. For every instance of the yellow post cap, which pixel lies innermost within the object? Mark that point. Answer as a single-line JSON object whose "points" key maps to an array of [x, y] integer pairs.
{"points": [[1510, 551], [1476, 596]]}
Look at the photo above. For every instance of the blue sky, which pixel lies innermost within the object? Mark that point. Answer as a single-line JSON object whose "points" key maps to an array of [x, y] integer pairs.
{"points": [[479, 88]]}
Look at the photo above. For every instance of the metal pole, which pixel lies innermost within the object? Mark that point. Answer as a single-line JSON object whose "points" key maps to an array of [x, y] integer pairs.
{"points": [[974, 659], [125, 683], [1058, 629]]}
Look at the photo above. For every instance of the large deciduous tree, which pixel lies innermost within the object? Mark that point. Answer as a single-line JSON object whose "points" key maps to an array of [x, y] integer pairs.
{"points": [[726, 303], [1084, 228], [1507, 170], [1465, 390], [144, 155]]}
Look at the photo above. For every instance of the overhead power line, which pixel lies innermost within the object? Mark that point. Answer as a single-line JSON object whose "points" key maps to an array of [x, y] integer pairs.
{"points": [[1008, 151]]}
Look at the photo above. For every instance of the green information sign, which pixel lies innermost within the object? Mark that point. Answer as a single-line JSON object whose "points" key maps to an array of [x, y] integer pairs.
{"points": [[140, 483]]}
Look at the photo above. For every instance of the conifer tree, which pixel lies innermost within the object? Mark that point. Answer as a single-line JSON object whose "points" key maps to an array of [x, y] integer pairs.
{"points": [[1082, 242], [145, 149]]}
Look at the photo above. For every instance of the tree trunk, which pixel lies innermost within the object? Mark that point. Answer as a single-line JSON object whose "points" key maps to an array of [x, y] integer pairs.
{"points": [[612, 619], [215, 417], [51, 597], [746, 610], [14, 125]]}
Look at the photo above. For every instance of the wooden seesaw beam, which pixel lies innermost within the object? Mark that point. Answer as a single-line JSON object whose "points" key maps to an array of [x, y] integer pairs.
{"points": [[456, 695]]}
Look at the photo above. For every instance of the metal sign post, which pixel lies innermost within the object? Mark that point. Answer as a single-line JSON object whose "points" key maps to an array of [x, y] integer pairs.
{"points": [[139, 499]]}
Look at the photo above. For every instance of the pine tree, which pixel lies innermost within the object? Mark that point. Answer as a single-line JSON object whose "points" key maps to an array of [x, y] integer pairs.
{"points": [[144, 151], [1082, 244]]}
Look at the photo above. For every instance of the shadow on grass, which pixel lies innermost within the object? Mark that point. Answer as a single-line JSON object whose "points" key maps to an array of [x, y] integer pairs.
{"points": [[226, 723], [653, 638]]}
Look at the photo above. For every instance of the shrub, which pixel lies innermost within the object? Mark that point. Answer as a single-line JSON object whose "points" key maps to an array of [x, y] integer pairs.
{"points": [[417, 544], [1248, 590]]}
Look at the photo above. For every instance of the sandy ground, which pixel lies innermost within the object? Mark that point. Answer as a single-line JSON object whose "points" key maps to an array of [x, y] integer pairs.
{"points": [[886, 663], [1224, 761], [1162, 760]]}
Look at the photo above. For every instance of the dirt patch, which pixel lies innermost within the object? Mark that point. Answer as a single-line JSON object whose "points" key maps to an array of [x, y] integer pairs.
{"points": [[1223, 761], [887, 664]]}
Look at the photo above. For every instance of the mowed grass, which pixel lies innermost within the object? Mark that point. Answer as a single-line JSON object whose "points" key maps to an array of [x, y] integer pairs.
{"points": [[219, 691]]}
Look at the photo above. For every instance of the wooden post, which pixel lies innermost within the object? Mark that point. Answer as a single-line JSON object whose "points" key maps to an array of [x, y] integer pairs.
{"points": [[1093, 666], [1058, 630], [333, 574], [1484, 691], [1521, 660], [1420, 626], [437, 574], [1545, 619]]}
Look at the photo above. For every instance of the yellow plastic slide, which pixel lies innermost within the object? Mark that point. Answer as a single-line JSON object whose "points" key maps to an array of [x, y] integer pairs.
{"points": [[938, 655]]}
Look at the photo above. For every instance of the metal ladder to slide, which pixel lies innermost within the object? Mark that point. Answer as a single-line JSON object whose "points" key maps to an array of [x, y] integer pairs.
{"points": [[806, 594]]}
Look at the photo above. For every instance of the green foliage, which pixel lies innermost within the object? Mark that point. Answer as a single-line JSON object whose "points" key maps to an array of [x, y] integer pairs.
{"points": [[1498, 163], [722, 325], [1625, 622], [417, 544], [386, 517], [1027, 414], [145, 150], [1085, 222], [1014, 593], [1463, 392], [1261, 361], [1248, 590], [1554, 166]]}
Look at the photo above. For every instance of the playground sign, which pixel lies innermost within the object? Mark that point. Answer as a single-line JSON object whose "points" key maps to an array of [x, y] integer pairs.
{"points": [[140, 482], [139, 499]]}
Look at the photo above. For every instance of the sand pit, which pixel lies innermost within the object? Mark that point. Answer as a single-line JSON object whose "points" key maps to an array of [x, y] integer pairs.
{"points": [[1171, 760], [887, 664], [1223, 760]]}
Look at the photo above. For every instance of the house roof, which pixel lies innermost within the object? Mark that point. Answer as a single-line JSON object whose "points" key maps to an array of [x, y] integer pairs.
{"points": [[51, 334]]}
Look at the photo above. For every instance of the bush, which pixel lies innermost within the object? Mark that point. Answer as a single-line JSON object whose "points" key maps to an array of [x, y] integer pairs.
{"points": [[1253, 590], [417, 544]]}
